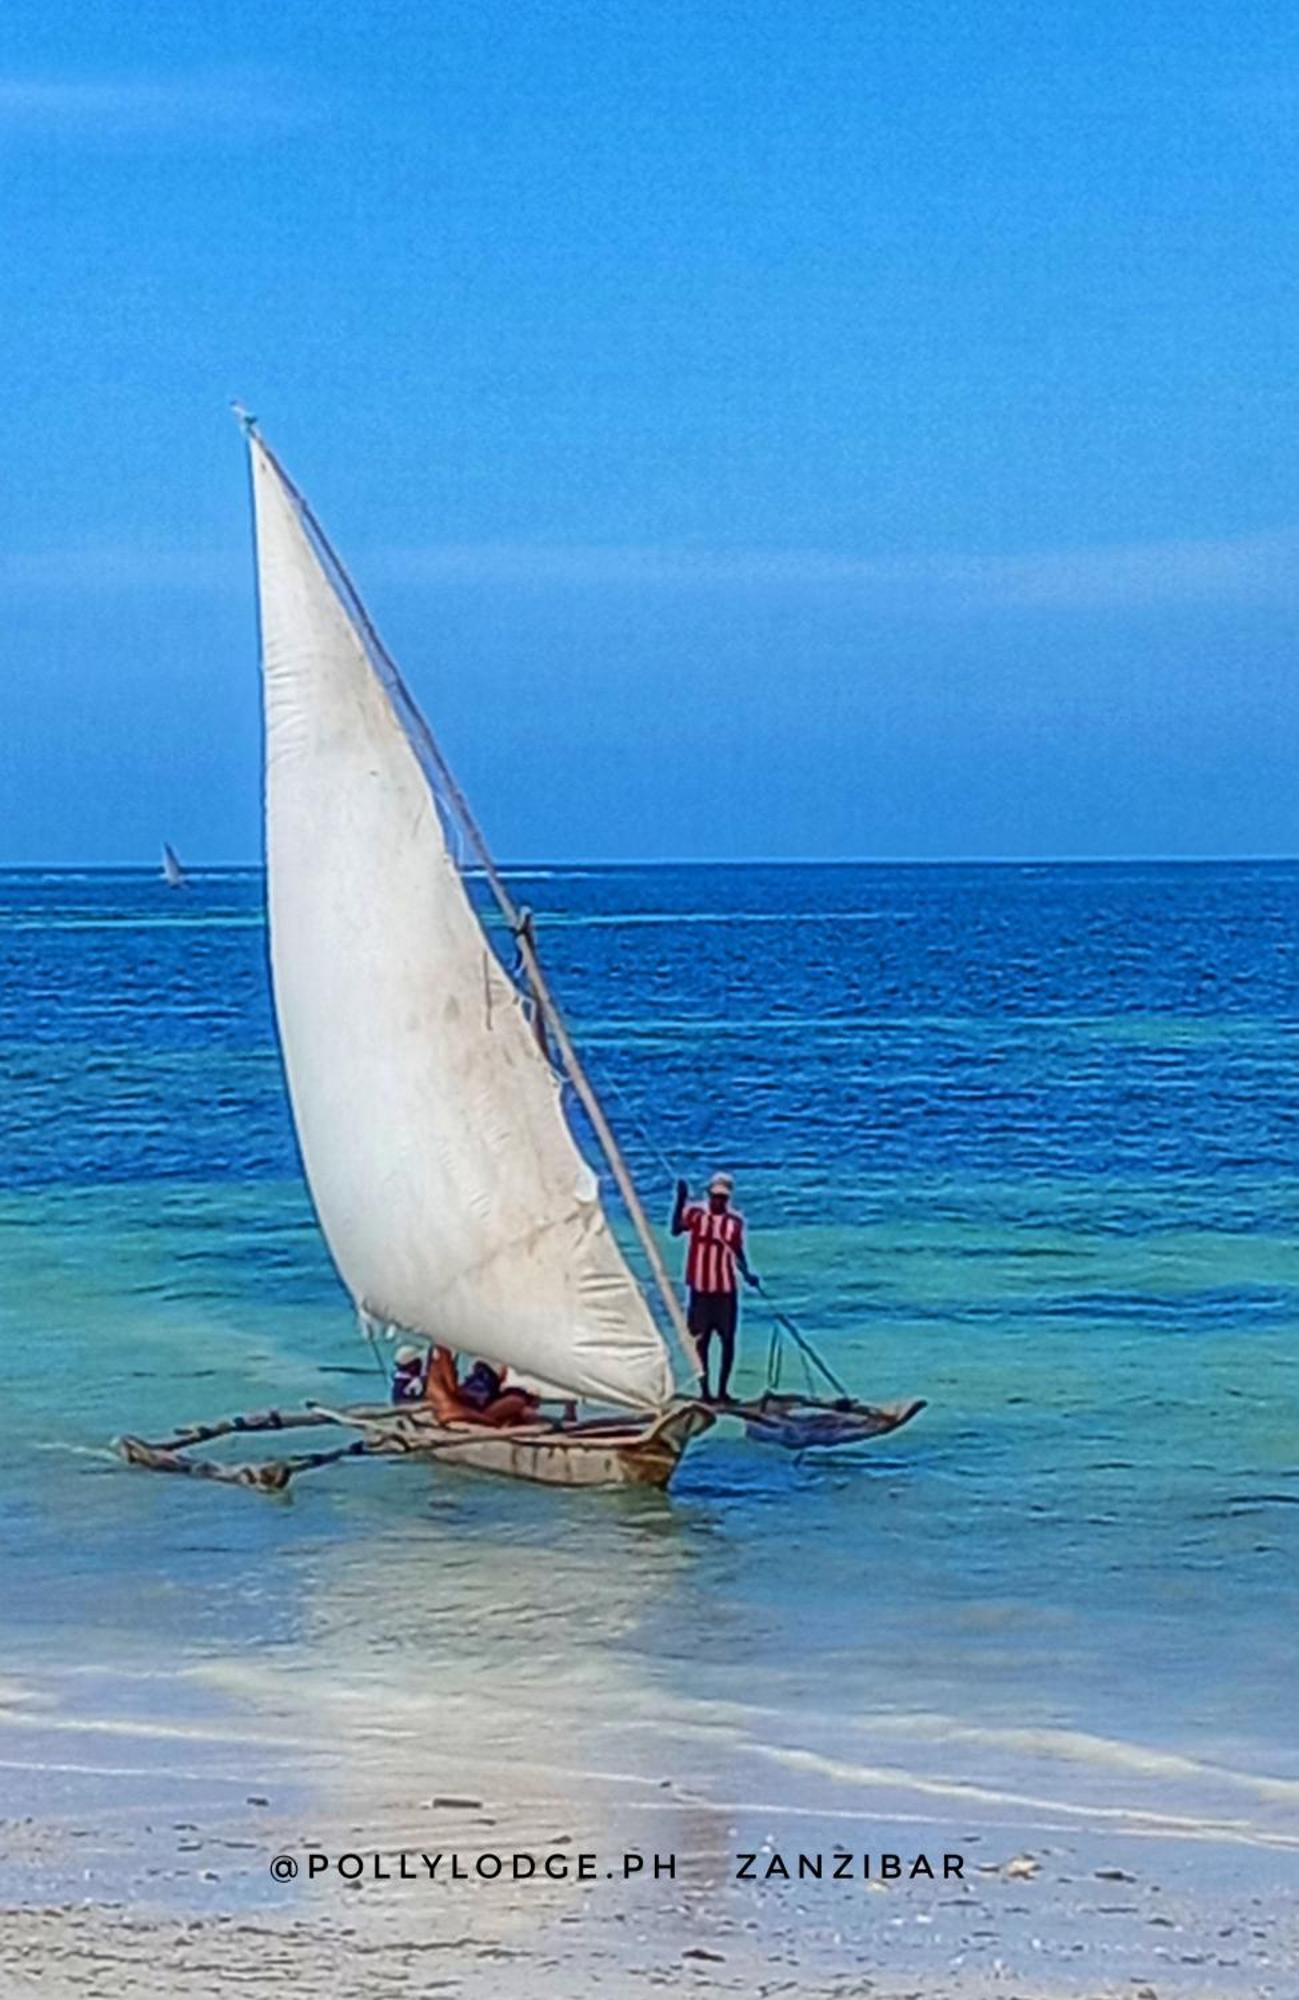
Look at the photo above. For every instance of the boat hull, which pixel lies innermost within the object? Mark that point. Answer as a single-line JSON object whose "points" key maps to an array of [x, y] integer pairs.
{"points": [[591, 1455], [606, 1452]]}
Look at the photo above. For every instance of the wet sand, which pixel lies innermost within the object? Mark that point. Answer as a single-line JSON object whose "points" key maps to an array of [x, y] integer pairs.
{"points": [[127, 1881]]}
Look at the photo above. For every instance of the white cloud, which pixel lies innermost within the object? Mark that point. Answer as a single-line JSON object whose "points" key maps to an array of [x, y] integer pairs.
{"points": [[119, 108], [1246, 570]]}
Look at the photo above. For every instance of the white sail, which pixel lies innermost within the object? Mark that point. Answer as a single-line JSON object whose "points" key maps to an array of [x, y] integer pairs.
{"points": [[172, 872], [451, 1193]]}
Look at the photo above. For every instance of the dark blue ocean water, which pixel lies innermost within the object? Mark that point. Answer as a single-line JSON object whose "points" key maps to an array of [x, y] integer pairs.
{"points": [[1082, 1021], [1017, 1139]]}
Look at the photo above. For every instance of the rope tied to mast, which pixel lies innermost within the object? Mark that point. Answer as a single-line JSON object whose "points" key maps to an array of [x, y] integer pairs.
{"points": [[525, 939]]}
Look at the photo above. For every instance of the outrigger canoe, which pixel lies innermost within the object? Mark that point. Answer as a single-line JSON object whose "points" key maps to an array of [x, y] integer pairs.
{"points": [[602, 1452], [429, 1084]]}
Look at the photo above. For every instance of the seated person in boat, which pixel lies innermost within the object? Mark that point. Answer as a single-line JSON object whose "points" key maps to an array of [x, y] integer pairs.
{"points": [[716, 1252], [409, 1367], [480, 1399]]}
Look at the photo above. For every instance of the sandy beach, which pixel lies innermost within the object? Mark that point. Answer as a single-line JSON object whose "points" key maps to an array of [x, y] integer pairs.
{"points": [[197, 1922], [140, 1863]]}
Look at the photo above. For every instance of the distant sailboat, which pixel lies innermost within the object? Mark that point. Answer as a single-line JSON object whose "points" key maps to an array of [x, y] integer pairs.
{"points": [[172, 872]]}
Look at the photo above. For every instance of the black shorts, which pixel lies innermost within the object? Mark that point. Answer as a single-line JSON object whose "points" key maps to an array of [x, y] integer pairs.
{"points": [[712, 1312]]}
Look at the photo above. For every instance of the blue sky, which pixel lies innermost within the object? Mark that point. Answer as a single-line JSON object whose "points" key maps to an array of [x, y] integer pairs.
{"points": [[833, 429]]}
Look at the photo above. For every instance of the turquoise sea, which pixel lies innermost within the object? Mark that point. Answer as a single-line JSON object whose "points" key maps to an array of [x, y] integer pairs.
{"points": [[1020, 1140]]}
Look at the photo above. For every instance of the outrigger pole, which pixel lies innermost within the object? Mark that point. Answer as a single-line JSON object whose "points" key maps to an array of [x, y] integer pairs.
{"points": [[520, 927]]}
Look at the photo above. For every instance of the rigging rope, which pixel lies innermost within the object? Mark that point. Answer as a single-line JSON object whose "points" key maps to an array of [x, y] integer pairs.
{"points": [[809, 1354], [646, 1137], [372, 1330]]}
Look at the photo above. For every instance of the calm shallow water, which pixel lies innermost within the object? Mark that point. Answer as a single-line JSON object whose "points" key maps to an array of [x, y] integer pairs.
{"points": [[1019, 1140]]}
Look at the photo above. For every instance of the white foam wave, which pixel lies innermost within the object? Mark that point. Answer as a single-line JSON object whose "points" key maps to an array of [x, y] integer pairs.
{"points": [[1076, 1746], [964, 1791]]}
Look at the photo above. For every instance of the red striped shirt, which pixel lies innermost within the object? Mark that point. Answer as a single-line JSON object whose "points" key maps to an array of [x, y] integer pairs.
{"points": [[715, 1242]]}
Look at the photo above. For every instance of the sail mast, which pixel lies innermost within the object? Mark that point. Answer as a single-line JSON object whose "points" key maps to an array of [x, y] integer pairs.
{"points": [[424, 739]]}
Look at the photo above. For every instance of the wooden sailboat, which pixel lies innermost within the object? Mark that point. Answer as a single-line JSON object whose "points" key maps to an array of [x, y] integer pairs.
{"points": [[455, 1202], [605, 1452], [172, 872]]}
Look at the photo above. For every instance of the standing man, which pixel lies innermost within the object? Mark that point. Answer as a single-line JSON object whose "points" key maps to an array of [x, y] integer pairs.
{"points": [[716, 1249]]}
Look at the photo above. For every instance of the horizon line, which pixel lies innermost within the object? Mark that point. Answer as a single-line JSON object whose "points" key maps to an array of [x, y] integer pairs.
{"points": [[731, 861]]}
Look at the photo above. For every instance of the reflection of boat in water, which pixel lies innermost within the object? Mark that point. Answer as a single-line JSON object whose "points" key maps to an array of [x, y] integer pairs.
{"points": [[488, 1680], [427, 1084], [172, 872]]}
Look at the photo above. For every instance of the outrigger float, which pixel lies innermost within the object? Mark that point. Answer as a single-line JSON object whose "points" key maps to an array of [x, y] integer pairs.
{"points": [[600, 1451], [428, 1087]]}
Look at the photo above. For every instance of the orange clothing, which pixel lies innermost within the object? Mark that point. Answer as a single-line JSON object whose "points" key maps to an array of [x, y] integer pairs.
{"points": [[442, 1388], [442, 1394]]}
